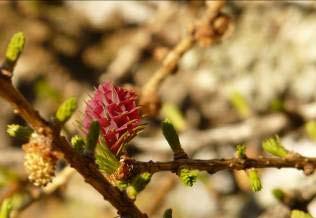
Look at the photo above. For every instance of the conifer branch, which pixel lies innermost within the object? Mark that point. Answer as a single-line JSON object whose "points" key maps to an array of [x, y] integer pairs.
{"points": [[212, 166], [83, 164]]}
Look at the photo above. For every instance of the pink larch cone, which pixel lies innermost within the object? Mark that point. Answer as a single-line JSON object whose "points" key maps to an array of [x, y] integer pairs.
{"points": [[116, 111]]}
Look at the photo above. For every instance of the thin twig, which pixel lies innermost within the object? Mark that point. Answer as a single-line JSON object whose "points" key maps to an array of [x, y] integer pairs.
{"points": [[209, 28], [215, 165]]}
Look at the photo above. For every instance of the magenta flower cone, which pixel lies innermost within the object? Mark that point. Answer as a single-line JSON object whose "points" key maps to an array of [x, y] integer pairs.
{"points": [[116, 111]]}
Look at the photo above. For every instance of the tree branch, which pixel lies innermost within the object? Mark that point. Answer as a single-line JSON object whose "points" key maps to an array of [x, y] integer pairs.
{"points": [[84, 165], [214, 165]]}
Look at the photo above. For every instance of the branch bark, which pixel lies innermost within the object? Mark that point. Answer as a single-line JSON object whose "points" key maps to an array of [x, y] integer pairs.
{"points": [[214, 165]]}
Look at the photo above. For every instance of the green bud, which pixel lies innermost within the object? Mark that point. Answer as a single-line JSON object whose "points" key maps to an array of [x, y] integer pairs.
{"points": [[18, 131], [188, 177], [167, 213], [138, 184], [105, 159], [78, 143], [254, 179], [92, 137], [171, 135], [274, 147], [299, 214], [241, 151], [6, 208], [278, 194], [66, 109], [15, 47]]}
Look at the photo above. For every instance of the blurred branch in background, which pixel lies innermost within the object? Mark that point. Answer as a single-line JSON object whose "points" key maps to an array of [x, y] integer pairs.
{"points": [[233, 134], [60, 180], [206, 31], [17, 187], [131, 53]]}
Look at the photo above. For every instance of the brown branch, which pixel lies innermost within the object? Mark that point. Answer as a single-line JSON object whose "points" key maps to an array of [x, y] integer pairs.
{"points": [[84, 165], [207, 30], [215, 165]]}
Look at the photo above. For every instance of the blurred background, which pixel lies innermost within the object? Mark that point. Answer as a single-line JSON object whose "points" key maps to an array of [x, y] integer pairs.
{"points": [[260, 80]]}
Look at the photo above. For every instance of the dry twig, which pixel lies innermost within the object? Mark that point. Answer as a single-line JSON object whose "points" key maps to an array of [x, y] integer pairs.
{"points": [[206, 31]]}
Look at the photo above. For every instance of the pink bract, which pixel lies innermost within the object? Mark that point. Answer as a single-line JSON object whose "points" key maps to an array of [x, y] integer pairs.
{"points": [[116, 111]]}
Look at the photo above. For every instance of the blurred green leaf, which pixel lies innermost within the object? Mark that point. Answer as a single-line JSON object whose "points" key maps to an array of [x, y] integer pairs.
{"points": [[171, 135], [138, 184], [274, 146], [44, 90], [6, 176], [172, 113], [310, 128], [92, 137], [241, 151], [6, 208], [66, 109], [105, 159], [188, 177], [277, 105], [15, 47], [300, 214], [254, 179], [240, 104], [278, 194], [19, 132], [78, 143]]}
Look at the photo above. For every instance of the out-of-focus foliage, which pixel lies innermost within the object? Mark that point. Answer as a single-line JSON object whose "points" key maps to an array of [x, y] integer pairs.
{"points": [[6, 208], [66, 109]]}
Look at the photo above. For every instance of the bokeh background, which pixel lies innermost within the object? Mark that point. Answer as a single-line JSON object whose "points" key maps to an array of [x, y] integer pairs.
{"points": [[260, 80]]}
